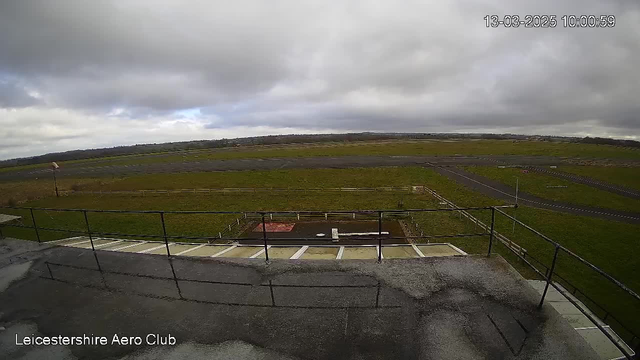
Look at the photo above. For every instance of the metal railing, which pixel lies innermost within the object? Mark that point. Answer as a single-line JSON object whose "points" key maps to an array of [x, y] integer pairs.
{"points": [[201, 191], [265, 216], [633, 340], [365, 290]]}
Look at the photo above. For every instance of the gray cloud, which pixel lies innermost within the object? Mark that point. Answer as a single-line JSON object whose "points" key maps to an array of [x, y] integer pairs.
{"points": [[13, 95], [250, 67]]}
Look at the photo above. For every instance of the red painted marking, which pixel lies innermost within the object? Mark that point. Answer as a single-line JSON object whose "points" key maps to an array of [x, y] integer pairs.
{"points": [[276, 227]]}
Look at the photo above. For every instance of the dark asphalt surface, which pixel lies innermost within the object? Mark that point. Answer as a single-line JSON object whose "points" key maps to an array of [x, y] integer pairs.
{"points": [[499, 190], [429, 308], [341, 162]]}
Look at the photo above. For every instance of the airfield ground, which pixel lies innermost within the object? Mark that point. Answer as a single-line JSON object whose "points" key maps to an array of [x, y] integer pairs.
{"points": [[610, 244]]}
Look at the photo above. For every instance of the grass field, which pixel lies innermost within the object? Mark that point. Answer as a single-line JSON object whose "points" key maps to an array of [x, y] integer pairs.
{"points": [[401, 147], [480, 147], [536, 184], [625, 176], [610, 245], [19, 191]]}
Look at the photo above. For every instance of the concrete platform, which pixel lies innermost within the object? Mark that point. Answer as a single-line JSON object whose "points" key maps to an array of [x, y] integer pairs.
{"points": [[308, 252], [359, 252], [320, 253], [459, 307], [581, 323]]}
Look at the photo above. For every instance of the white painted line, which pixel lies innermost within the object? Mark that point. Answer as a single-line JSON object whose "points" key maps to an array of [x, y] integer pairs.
{"points": [[363, 233], [78, 243], [128, 246], [224, 251], [457, 249], [151, 249], [259, 252], [299, 253], [189, 250], [590, 327], [109, 243], [65, 239], [415, 248], [340, 253]]}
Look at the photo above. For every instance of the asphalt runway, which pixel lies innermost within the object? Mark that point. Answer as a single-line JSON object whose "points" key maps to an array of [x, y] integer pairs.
{"points": [[342, 162], [499, 190]]}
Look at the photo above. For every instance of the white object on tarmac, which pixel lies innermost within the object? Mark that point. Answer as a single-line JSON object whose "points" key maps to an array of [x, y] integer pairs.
{"points": [[320, 235], [334, 234], [364, 233]]}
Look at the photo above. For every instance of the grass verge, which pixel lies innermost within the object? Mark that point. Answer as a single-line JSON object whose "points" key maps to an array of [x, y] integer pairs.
{"points": [[546, 186], [624, 176], [399, 148]]}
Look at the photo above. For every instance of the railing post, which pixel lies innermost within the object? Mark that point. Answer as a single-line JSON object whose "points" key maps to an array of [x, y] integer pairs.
{"points": [[264, 238], [379, 236], [164, 232], [86, 221], [35, 227], [553, 265], [493, 220]]}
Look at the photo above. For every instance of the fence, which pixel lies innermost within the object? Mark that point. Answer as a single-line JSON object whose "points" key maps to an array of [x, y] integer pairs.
{"points": [[403, 189], [261, 216], [368, 295], [264, 216], [632, 339]]}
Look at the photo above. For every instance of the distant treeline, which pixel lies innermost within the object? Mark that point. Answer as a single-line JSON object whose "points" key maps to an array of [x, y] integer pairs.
{"points": [[288, 139]]}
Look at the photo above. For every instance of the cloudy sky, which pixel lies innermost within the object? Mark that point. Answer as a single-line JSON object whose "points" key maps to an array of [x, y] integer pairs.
{"points": [[88, 74]]}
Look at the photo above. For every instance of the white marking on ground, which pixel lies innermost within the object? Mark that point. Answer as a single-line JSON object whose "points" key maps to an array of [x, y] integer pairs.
{"points": [[415, 248], [457, 249], [224, 251], [128, 246], [78, 243], [150, 249], [299, 253], [189, 250], [109, 243], [65, 239], [259, 252]]}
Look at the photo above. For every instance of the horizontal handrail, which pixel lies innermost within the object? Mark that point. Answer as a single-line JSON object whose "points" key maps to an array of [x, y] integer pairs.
{"points": [[261, 212], [571, 253]]}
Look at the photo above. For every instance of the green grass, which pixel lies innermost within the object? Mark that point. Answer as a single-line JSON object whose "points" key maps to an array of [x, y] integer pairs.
{"points": [[19, 191], [536, 184], [613, 246], [400, 147], [24, 167], [625, 176], [192, 225], [299, 178]]}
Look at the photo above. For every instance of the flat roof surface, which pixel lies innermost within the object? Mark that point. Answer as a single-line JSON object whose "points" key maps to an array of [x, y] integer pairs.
{"points": [[422, 308]]}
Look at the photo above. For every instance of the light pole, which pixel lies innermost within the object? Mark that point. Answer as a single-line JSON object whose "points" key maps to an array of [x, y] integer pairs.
{"points": [[55, 167], [513, 230]]}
